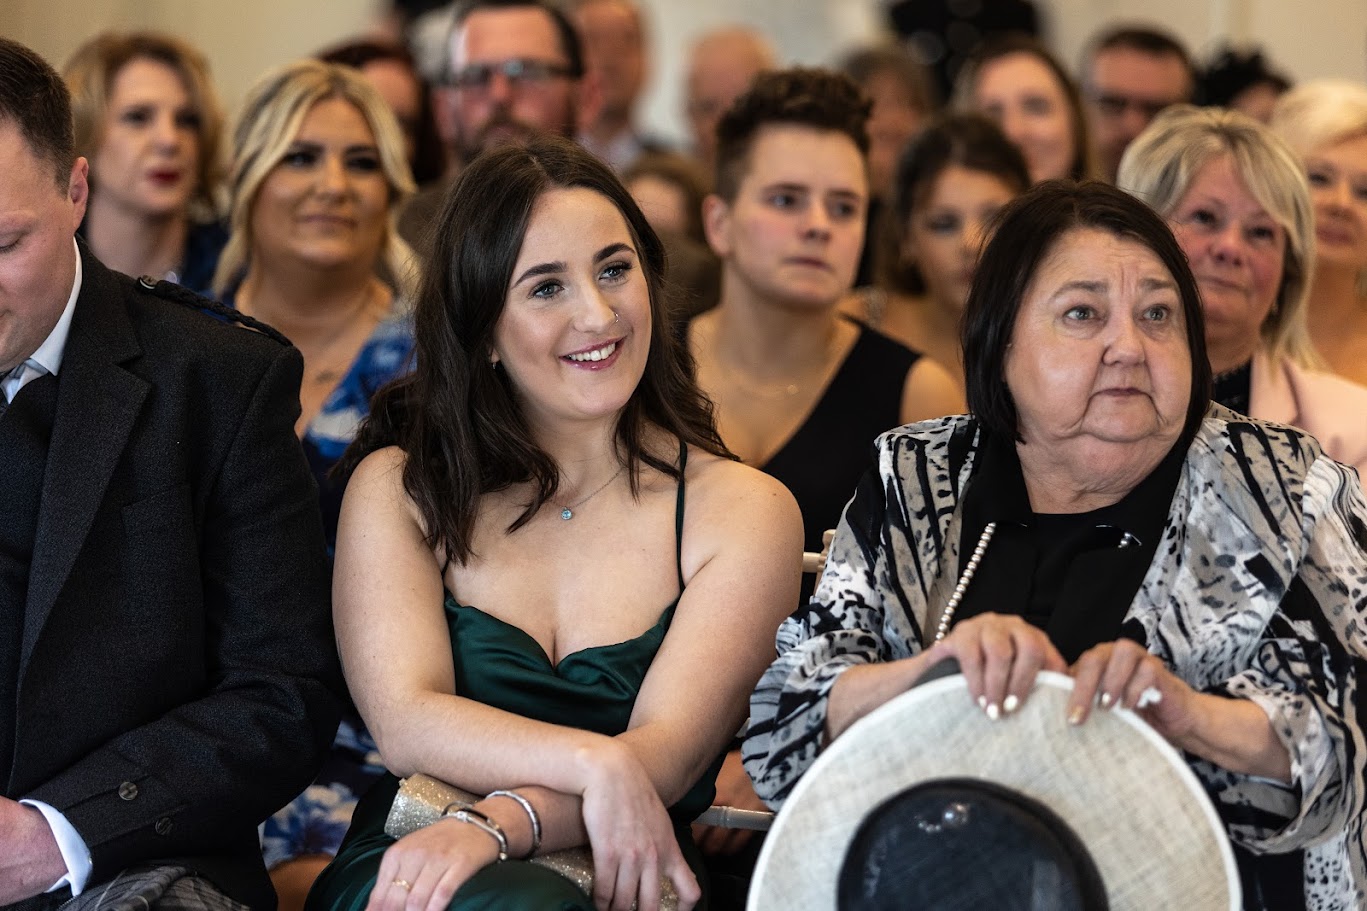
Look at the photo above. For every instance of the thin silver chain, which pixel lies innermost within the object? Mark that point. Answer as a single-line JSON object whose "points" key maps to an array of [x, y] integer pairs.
{"points": [[567, 512]]}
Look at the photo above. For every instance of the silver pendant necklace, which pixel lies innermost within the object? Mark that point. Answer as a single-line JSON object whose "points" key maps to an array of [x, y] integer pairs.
{"points": [[567, 512], [947, 617]]}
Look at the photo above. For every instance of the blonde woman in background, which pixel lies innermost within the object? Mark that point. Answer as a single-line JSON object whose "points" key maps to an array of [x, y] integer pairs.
{"points": [[319, 169], [147, 119], [1238, 203], [1325, 123]]}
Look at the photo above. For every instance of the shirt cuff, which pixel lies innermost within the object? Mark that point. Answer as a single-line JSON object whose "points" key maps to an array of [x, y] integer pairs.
{"points": [[75, 854]]}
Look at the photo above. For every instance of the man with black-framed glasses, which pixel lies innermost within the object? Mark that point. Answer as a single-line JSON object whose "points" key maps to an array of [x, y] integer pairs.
{"points": [[513, 69], [1129, 75]]}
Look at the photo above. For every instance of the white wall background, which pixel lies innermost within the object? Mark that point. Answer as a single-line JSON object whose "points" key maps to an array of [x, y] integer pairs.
{"points": [[1307, 38]]}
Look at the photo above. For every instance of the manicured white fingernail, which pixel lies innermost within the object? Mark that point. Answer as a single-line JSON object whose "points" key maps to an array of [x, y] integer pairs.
{"points": [[1075, 716], [993, 713], [1010, 703], [982, 703], [1106, 699], [1149, 697]]}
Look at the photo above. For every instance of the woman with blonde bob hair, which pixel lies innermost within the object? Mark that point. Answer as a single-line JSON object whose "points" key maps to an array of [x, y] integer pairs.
{"points": [[1237, 201], [319, 169], [147, 118], [1325, 124]]}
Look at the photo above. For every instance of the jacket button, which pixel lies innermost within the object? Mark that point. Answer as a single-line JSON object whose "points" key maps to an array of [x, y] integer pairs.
{"points": [[163, 826], [128, 790]]}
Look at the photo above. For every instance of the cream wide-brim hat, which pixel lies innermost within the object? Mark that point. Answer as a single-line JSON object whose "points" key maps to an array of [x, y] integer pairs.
{"points": [[1125, 792]]}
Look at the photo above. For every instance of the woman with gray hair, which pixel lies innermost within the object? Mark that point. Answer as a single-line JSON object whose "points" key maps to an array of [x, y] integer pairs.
{"points": [[1238, 202], [1325, 123]]}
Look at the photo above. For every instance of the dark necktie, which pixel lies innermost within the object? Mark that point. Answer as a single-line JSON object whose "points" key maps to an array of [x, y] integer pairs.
{"points": [[4, 402], [17, 372]]}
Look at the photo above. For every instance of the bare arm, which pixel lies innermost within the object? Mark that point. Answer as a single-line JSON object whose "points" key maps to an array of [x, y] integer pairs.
{"points": [[387, 602], [863, 688], [742, 542]]}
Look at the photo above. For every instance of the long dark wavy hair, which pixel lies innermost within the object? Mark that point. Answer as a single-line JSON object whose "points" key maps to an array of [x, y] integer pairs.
{"points": [[455, 417]]}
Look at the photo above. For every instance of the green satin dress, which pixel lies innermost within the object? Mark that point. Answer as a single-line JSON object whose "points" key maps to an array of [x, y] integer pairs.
{"points": [[500, 665]]}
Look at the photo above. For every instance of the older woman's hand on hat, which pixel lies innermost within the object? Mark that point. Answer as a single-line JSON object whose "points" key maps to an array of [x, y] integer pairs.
{"points": [[999, 656], [1234, 734], [1122, 674]]}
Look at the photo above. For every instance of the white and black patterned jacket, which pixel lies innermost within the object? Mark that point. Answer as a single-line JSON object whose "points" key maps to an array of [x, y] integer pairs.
{"points": [[1258, 590]]}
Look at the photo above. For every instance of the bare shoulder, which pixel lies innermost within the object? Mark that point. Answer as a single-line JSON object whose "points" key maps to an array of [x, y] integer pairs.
{"points": [[733, 507], [715, 482], [376, 486], [930, 392], [379, 474]]}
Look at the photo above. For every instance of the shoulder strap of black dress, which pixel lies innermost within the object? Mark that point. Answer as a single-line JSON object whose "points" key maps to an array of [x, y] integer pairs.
{"points": [[679, 513]]}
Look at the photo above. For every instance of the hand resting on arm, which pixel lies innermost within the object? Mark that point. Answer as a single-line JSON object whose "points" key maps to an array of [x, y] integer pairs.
{"points": [[741, 546]]}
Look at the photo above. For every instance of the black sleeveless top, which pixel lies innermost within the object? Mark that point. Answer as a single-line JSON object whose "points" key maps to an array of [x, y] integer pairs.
{"points": [[822, 462]]}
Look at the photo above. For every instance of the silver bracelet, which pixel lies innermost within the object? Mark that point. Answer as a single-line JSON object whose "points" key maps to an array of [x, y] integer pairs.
{"points": [[531, 814], [479, 821]]}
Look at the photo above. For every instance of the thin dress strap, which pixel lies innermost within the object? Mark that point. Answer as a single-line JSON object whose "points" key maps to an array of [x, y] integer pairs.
{"points": [[679, 513]]}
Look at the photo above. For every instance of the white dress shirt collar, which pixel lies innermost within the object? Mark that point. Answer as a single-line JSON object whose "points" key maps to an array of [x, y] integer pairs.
{"points": [[48, 357]]}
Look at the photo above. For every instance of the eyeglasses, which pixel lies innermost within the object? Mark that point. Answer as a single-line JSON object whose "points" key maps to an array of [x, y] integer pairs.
{"points": [[1111, 105], [477, 77]]}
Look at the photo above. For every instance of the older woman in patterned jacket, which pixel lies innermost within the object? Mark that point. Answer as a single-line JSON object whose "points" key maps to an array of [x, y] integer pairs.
{"points": [[1097, 515]]}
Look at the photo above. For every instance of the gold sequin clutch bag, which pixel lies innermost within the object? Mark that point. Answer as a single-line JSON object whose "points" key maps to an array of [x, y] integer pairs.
{"points": [[421, 800]]}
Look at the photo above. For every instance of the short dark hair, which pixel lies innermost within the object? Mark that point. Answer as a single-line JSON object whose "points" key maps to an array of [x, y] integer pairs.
{"points": [[1145, 40], [1232, 72], [1027, 231], [455, 416], [971, 141], [820, 99], [35, 99], [570, 44]]}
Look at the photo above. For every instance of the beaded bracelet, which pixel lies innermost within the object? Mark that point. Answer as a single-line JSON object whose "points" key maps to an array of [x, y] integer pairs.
{"points": [[479, 821], [531, 814]]}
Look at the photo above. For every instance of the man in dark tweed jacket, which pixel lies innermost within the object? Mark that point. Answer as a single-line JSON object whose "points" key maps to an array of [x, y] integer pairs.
{"points": [[167, 672]]}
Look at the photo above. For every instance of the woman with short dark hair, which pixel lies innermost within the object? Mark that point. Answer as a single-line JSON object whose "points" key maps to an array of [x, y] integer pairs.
{"points": [[1094, 514]]}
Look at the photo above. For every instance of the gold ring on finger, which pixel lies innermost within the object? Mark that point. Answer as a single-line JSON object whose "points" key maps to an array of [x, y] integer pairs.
{"points": [[404, 884]]}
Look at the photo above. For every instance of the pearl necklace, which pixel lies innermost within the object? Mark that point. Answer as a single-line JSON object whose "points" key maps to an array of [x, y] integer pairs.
{"points": [[567, 512], [965, 577]]}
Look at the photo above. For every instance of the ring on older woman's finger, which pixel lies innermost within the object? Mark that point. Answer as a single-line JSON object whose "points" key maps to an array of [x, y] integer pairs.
{"points": [[403, 884]]}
